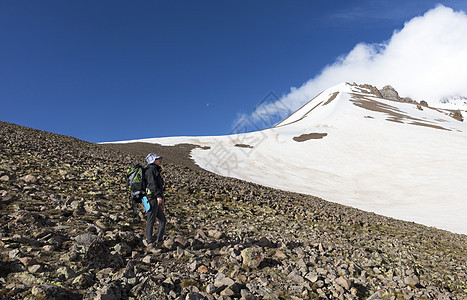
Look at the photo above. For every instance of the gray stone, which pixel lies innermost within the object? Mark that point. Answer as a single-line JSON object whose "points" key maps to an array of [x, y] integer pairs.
{"points": [[246, 295], [193, 266], [211, 288], [252, 257], [67, 272], [123, 249], [265, 243], [182, 241], [14, 253], [344, 282], [127, 272], [25, 278], [222, 280], [49, 291], [29, 178], [112, 291], [216, 234], [87, 239], [201, 235], [194, 296], [48, 248], [227, 292], [147, 259], [104, 273], [169, 244], [130, 269], [295, 277], [312, 277], [375, 296], [83, 280], [7, 267], [388, 92], [411, 281], [322, 271], [36, 269]]}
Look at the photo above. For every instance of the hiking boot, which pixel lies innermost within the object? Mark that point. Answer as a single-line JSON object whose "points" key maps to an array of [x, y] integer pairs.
{"points": [[154, 248], [146, 244]]}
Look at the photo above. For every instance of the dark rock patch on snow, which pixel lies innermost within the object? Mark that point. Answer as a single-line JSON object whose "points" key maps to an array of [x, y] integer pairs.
{"points": [[244, 146], [309, 136]]}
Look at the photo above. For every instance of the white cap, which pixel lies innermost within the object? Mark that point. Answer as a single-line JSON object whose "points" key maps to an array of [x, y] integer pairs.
{"points": [[152, 157]]}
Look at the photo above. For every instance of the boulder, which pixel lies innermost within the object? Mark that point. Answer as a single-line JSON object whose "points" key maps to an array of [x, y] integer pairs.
{"points": [[194, 296], [87, 239], [373, 90], [265, 243], [312, 277], [28, 261], [50, 291], [29, 178], [36, 268], [83, 281], [182, 241], [412, 281], [344, 282], [388, 92], [127, 272], [457, 115], [67, 272], [113, 291], [222, 280], [100, 256], [216, 234], [123, 249], [252, 257], [7, 267]]}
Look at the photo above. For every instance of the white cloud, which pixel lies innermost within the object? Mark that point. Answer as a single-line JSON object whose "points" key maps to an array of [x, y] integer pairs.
{"points": [[425, 60]]}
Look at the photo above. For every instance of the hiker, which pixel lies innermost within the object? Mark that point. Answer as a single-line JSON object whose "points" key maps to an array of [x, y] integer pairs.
{"points": [[154, 192]]}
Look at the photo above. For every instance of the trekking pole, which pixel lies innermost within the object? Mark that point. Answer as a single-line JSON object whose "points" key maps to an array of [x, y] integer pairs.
{"points": [[133, 209], [163, 207]]}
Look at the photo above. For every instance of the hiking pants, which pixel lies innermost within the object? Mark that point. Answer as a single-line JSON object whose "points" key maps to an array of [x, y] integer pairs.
{"points": [[156, 211]]}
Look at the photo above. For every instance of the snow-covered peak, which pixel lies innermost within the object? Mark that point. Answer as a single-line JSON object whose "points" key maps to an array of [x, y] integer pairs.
{"points": [[367, 99], [454, 102], [317, 103], [352, 145]]}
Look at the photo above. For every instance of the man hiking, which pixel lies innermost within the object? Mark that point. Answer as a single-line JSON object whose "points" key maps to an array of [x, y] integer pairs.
{"points": [[154, 192]]}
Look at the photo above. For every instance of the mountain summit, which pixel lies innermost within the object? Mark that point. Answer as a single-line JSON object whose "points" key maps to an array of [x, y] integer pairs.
{"points": [[393, 156]]}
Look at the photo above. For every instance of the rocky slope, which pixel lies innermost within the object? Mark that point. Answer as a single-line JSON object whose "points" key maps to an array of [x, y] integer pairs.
{"points": [[66, 232]]}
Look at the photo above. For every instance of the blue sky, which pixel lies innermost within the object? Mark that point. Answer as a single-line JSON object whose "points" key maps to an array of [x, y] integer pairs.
{"points": [[118, 70]]}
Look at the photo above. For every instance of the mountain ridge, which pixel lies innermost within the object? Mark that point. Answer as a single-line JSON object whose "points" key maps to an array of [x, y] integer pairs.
{"points": [[362, 90]]}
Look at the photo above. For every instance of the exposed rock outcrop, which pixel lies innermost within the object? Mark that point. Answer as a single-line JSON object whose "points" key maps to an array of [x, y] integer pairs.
{"points": [[424, 103], [388, 92], [457, 115]]}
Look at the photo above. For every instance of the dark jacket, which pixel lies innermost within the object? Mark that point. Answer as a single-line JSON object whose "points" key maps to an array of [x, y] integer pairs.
{"points": [[154, 181]]}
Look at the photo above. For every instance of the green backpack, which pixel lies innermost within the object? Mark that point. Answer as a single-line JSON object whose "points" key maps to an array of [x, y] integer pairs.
{"points": [[136, 184]]}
